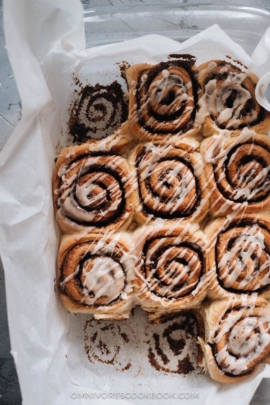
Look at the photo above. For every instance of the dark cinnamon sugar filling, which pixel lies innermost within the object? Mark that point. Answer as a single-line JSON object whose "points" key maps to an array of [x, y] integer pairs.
{"points": [[251, 267], [258, 159], [74, 288], [99, 111], [229, 95], [102, 204], [143, 91], [161, 213], [174, 274]]}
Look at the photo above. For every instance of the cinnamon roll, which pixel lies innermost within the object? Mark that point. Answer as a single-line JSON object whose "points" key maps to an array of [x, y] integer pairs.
{"points": [[228, 99], [238, 173], [92, 190], [95, 274], [98, 112], [171, 184], [171, 268], [239, 256], [238, 339], [163, 100]]}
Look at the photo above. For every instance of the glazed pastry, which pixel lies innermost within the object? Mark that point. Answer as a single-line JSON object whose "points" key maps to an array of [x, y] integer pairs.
{"points": [[163, 100], [239, 256], [171, 184], [238, 338], [227, 100], [92, 190], [95, 275], [98, 112], [238, 173], [171, 267]]}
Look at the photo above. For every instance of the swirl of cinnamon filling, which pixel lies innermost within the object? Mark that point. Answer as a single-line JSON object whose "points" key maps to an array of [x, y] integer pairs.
{"points": [[239, 174], [162, 99], [243, 256], [92, 190], [98, 112], [242, 339], [95, 270], [171, 183], [228, 98], [230, 95], [170, 268]]}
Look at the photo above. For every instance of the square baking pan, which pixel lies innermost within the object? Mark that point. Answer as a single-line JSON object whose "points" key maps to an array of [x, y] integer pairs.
{"points": [[176, 20]]}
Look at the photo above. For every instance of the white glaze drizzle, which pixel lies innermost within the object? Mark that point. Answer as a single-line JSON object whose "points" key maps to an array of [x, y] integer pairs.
{"points": [[248, 337], [102, 275], [176, 189], [159, 90], [214, 100], [106, 278], [245, 255], [91, 195], [249, 183]]}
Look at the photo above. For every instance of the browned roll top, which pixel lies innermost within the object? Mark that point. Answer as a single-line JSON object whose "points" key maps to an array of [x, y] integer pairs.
{"points": [[166, 97], [243, 255], [171, 263], [242, 339], [244, 174], [94, 271], [92, 190], [229, 92], [163, 99], [168, 185]]}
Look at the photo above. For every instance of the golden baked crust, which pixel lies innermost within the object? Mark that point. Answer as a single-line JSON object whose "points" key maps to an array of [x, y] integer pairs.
{"points": [[237, 173], [238, 338], [95, 274], [239, 256], [170, 184], [92, 190], [171, 268], [163, 100], [228, 101]]}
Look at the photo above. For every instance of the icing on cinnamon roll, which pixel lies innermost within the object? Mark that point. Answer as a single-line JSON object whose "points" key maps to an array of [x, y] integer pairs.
{"points": [[228, 101], [95, 273], [163, 100], [239, 256], [238, 173], [239, 338], [170, 183], [92, 190], [171, 267]]}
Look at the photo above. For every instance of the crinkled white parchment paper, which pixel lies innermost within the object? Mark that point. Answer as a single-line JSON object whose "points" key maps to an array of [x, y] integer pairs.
{"points": [[46, 45]]}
